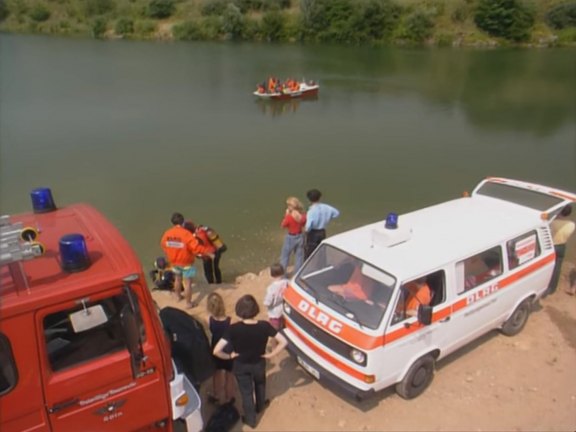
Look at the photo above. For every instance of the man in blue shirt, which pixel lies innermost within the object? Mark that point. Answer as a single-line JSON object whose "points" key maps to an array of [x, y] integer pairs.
{"points": [[317, 218]]}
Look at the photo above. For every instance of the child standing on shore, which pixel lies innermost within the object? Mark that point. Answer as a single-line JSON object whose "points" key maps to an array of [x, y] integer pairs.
{"points": [[223, 382], [273, 298]]}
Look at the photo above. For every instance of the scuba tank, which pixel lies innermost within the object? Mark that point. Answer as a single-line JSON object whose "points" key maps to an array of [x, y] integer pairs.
{"points": [[215, 239]]}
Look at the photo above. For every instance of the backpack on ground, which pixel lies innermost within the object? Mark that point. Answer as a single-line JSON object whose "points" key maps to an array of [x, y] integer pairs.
{"points": [[223, 419]]}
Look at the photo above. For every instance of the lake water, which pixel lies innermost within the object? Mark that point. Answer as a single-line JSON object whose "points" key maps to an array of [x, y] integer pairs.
{"points": [[142, 129]]}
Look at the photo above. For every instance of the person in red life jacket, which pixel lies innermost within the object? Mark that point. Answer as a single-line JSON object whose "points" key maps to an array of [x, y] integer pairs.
{"points": [[294, 221], [210, 239], [181, 247]]}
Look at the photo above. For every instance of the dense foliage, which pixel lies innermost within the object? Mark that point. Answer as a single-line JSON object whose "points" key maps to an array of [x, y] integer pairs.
{"points": [[161, 8], [510, 19], [348, 21], [440, 22], [562, 16]]}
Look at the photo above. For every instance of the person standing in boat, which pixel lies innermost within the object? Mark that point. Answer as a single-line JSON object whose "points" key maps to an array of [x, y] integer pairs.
{"points": [[318, 217]]}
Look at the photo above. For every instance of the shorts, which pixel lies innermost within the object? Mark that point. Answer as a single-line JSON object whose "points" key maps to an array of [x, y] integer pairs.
{"points": [[187, 272]]}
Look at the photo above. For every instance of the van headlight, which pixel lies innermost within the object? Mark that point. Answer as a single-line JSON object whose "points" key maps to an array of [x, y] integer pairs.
{"points": [[287, 308], [358, 356]]}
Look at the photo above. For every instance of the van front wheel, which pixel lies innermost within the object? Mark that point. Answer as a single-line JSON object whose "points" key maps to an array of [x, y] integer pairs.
{"points": [[517, 320], [418, 378]]}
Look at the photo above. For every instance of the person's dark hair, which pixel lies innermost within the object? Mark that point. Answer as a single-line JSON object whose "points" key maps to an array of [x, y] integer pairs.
{"points": [[190, 226], [247, 307], [566, 211], [492, 260], [276, 270], [314, 195], [177, 218]]}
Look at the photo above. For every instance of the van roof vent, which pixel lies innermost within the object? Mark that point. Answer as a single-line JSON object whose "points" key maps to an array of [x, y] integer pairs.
{"points": [[387, 237]]}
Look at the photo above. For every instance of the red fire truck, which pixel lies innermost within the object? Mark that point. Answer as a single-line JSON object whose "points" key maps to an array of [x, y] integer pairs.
{"points": [[82, 347]]}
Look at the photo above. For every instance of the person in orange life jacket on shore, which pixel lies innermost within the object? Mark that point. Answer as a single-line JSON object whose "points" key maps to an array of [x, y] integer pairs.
{"points": [[181, 247], [419, 293], [294, 221], [317, 218], [211, 266]]}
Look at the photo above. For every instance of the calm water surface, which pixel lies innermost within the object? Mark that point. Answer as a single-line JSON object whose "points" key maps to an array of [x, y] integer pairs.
{"points": [[142, 129]]}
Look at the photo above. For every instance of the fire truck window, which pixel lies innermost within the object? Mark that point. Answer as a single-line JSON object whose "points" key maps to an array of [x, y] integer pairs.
{"points": [[522, 249], [8, 373], [478, 269], [67, 348]]}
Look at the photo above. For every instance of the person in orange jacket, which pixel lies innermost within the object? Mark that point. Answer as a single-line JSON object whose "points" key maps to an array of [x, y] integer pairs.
{"points": [[181, 247]]}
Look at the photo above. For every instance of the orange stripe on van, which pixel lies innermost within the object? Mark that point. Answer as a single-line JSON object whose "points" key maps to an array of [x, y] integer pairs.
{"points": [[330, 359], [366, 342], [525, 271], [334, 326]]}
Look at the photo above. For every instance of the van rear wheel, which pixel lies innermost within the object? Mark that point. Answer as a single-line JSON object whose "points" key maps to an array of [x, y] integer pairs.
{"points": [[418, 378], [517, 320]]}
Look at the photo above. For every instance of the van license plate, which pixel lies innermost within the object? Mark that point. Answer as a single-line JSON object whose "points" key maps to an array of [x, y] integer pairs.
{"points": [[308, 368]]}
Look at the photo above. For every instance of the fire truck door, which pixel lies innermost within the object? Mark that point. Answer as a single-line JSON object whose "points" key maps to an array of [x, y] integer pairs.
{"points": [[96, 377]]}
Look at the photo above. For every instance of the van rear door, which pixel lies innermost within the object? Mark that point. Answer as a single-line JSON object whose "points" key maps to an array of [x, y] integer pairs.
{"points": [[541, 198], [96, 378]]}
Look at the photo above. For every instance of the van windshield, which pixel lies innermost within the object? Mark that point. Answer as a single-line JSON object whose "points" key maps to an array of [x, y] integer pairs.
{"points": [[524, 197], [348, 285]]}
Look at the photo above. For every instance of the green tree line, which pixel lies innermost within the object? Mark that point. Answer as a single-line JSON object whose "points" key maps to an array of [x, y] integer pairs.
{"points": [[354, 22]]}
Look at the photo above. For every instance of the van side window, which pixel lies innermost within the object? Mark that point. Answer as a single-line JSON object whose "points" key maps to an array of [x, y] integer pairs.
{"points": [[478, 269], [427, 290], [523, 249], [69, 343], [8, 371]]}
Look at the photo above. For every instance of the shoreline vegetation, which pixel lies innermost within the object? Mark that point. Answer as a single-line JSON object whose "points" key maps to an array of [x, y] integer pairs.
{"points": [[474, 23]]}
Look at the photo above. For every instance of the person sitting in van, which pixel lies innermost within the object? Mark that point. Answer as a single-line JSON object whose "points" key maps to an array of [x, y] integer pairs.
{"points": [[419, 293], [493, 268]]}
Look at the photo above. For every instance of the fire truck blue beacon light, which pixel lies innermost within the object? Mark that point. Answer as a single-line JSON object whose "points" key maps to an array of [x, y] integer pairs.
{"points": [[73, 253], [42, 201]]}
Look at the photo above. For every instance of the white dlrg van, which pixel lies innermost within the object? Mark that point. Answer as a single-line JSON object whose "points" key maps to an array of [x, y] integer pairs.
{"points": [[380, 304]]}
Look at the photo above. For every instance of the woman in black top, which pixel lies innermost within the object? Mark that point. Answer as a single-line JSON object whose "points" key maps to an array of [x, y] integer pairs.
{"points": [[249, 338]]}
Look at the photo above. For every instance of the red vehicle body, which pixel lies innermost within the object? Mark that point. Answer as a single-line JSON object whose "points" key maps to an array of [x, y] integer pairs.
{"points": [[82, 349]]}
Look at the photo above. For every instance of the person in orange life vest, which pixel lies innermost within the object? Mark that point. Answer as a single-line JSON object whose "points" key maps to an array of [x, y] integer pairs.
{"points": [[419, 293], [357, 287], [211, 266], [181, 247]]}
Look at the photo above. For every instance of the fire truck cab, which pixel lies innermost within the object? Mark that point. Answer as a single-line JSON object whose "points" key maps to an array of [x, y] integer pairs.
{"points": [[379, 305], [82, 347]]}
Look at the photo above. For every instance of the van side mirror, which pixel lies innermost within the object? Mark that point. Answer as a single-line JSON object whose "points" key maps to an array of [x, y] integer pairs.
{"points": [[425, 314]]}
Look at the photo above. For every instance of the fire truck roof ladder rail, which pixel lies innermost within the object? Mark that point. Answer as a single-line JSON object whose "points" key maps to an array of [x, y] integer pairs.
{"points": [[17, 243]]}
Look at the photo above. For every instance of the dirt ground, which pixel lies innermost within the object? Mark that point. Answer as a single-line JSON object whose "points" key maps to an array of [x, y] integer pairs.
{"points": [[497, 383]]}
